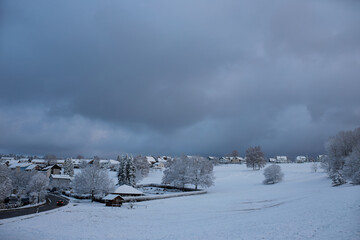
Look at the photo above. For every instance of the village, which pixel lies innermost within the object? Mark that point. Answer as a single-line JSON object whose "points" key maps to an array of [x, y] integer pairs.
{"points": [[60, 180]]}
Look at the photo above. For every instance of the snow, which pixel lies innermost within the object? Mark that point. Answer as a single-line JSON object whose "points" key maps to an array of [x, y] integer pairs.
{"points": [[239, 206], [125, 189]]}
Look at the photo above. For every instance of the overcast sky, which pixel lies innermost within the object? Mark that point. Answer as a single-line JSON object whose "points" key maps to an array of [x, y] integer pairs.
{"points": [[171, 77]]}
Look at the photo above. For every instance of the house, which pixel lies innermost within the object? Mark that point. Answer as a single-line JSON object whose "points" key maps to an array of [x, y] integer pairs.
{"points": [[19, 167], [60, 181], [272, 160], [23, 160], [150, 160], [33, 167], [237, 160], [40, 162], [54, 169], [113, 200], [300, 159], [281, 159], [113, 164], [125, 190], [224, 160], [60, 162]]}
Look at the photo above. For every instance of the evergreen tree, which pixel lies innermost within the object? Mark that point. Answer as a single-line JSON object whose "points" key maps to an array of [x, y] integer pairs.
{"points": [[122, 173], [131, 172], [69, 167]]}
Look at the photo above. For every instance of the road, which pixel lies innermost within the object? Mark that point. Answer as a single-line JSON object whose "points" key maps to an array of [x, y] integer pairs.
{"points": [[51, 201]]}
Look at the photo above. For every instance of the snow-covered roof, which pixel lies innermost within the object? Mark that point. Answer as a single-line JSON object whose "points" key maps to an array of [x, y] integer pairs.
{"points": [[125, 189], [150, 159], [21, 165], [48, 167], [161, 160], [31, 167], [38, 161], [57, 176], [114, 162], [110, 197]]}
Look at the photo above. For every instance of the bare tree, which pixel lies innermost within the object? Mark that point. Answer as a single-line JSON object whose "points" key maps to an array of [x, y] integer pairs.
{"points": [[273, 174], [255, 158], [235, 153]]}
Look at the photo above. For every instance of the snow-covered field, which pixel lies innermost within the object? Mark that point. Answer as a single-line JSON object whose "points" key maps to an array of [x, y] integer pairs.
{"points": [[303, 206]]}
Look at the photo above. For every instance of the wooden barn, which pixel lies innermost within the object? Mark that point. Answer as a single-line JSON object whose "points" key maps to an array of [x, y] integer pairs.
{"points": [[113, 200]]}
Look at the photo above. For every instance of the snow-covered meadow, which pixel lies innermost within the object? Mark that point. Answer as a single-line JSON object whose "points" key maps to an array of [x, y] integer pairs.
{"points": [[239, 206]]}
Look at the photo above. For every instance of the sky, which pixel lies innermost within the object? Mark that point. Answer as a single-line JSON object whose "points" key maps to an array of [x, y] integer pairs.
{"points": [[177, 77]]}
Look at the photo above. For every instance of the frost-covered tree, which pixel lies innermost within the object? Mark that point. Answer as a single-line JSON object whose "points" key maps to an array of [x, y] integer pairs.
{"points": [[131, 172], [20, 180], [122, 172], [176, 172], [142, 167], [38, 185], [343, 157], [188, 170], [126, 171], [351, 167], [255, 158], [92, 180], [273, 174], [200, 172], [69, 167], [5, 183]]}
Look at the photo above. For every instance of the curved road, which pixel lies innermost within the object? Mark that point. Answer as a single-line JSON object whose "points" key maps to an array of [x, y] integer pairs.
{"points": [[50, 204]]}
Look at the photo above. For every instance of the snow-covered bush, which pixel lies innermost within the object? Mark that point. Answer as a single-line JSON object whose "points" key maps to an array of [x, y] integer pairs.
{"points": [[314, 166], [273, 174]]}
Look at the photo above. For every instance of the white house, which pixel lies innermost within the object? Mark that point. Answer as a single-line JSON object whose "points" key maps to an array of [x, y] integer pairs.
{"points": [[281, 159], [301, 159]]}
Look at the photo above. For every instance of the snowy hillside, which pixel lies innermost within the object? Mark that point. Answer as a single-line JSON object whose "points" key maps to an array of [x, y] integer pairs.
{"points": [[239, 206]]}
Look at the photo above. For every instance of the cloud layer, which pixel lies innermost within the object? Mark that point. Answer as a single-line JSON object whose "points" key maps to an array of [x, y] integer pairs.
{"points": [[172, 77]]}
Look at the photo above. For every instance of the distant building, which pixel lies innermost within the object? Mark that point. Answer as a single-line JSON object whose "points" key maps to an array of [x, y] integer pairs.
{"points": [[281, 159], [19, 167], [60, 181], [54, 169], [301, 159]]}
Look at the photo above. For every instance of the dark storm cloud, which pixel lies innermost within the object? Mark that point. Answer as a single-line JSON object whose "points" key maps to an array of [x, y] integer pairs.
{"points": [[177, 77]]}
